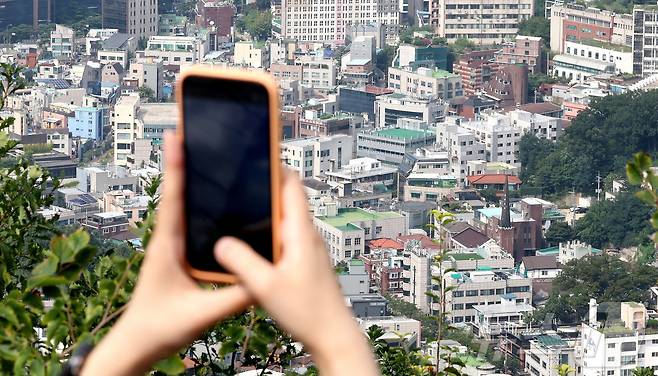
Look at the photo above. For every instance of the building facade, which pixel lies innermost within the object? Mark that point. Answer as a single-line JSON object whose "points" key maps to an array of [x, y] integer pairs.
{"points": [[483, 23], [645, 40], [137, 18], [311, 157], [425, 82], [389, 108], [523, 50]]}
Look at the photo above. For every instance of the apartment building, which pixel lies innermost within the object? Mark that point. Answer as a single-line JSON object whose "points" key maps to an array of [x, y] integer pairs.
{"points": [[501, 133], [126, 201], [547, 352], [523, 50], [88, 123], [620, 55], [327, 21], [174, 50], [425, 82], [62, 42], [111, 57], [645, 40], [462, 146], [346, 230], [421, 56], [389, 108], [487, 23], [577, 69], [313, 156], [124, 124], [501, 318], [618, 345], [575, 22], [389, 145], [137, 18], [318, 73], [482, 288], [110, 224], [476, 68]]}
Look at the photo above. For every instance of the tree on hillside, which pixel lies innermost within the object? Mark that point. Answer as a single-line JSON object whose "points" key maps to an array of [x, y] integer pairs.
{"points": [[602, 277], [257, 23], [598, 141], [559, 232], [619, 223], [385, 58], [536, 26]]}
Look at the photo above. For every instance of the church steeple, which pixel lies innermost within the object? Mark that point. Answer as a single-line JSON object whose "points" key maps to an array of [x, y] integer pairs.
{"points": [[505, 220]]}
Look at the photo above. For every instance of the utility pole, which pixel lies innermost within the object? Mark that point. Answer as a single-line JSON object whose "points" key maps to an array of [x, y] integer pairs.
{"points": [[598, 187]]}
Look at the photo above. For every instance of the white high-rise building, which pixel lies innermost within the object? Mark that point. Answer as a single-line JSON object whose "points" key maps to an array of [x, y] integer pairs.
{"points": [[124, 123], [645, 40], [327, 20], [485, 23]]}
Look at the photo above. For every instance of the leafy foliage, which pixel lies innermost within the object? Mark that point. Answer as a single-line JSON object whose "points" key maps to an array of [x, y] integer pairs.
{"points": [[536, 26], [599, 140], [618, 223], [559, 232], [604, 278], [257, 23]]}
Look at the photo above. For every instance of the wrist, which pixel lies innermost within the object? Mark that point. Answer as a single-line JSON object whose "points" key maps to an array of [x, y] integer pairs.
{"points": [[123, 351]]}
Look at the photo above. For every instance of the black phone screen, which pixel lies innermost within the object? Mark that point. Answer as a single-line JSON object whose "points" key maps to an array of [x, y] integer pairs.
{"points": [[227, 167]]}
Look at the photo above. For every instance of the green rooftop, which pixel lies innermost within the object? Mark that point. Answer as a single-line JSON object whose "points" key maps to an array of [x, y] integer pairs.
{"points": [[465, 256], [606, 45], [349, 218], [470, 360], [440, 73], [551, 340], [402, 134], [356, 262]]}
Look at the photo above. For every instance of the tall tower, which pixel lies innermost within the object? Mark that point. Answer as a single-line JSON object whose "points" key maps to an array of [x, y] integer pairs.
{"points": [[505, 220]]}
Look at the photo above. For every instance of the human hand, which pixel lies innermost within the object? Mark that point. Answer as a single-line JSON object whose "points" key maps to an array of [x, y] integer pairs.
{"points": [[301, 290], [168, 309]]}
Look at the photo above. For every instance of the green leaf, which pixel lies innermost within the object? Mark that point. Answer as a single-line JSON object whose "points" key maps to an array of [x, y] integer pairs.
{"points": [[46, 267], [34, 172], [172, 365], [634, 174], [643, 161], [61, 247], [33, 300], [78, 240], [8, 314], [646, 197], [46, 280], [8, 353], [38, 368], [19, 365]]}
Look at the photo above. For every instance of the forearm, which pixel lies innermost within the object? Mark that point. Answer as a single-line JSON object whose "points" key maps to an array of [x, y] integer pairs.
{"points": [[344, 350], [119, 353]]}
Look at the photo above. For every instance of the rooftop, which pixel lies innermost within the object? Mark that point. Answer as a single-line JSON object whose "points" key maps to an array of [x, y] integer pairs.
{"points": [[401, 133], [550, 340], [607, 45], [465, 256], [349, 216]]}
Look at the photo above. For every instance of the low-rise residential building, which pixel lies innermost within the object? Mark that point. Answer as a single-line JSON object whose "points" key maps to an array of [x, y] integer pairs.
{"points": [[389, 145], [314, 156], [506, 316], [147, 72], [482, 288], [318, 73], [110, 224], [62, 41], [111, 57], [496, 182], [126, 201], [425, 82], [175, 50], [547, 352], [421, 56], [475, 68], [355, 280], [345, 231], [523, 50], [88, 123], [96, 180], [545, 267], [428, 186], [363, 173], [252, 54], [389, 108], [398, 330]]}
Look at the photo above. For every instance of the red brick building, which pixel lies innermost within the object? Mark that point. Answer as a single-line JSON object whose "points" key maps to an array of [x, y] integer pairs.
{"points": [[523, 50], [384, 265], [475, 68], [219, 12]]}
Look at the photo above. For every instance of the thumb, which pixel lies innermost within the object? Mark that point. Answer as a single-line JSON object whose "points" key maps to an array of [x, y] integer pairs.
{"points": [[254, 271]]}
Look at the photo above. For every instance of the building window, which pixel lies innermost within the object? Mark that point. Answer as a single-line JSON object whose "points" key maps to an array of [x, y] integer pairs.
{"points": [[348, 241], [357, 241]]}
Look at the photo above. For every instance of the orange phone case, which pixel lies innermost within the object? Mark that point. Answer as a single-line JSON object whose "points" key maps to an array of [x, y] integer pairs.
{"points": [[265, 80]]}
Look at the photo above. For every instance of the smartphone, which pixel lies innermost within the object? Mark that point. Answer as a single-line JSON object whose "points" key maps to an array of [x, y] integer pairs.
{"points": [[230, 129]]}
